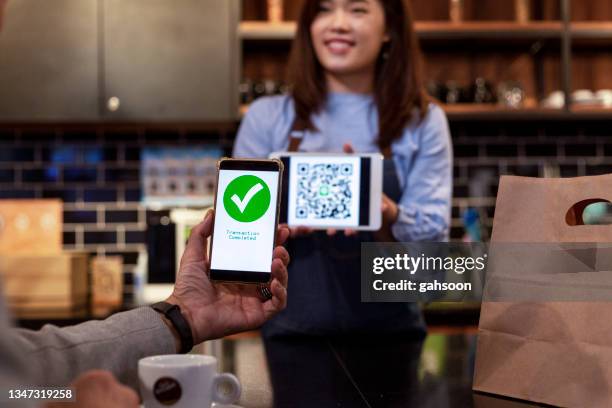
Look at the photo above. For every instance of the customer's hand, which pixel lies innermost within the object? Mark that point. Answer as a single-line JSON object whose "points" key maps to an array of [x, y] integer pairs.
{"points": [[99, 389], [218, 309]]}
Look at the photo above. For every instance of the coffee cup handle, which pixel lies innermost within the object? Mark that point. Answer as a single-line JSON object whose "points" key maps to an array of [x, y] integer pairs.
{"points": [[226, 388]]}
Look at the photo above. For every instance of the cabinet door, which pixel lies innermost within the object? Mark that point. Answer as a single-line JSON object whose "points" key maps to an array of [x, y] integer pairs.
{"points": [[48, 61], [171, 60]]}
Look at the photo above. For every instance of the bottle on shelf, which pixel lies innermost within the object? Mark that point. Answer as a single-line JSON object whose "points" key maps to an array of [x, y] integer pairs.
{"points": [[275, 11], [522, 10]]}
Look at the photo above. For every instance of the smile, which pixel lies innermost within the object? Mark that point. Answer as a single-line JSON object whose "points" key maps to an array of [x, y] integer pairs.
{"points": [[339, 46]]}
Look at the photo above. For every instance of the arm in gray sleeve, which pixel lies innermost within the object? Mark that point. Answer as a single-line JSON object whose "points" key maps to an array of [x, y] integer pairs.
{"points": [[58, 355]]}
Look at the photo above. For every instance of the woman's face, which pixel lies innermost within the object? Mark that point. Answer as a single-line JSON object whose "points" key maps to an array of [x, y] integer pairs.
{"points": [[347, 35]]}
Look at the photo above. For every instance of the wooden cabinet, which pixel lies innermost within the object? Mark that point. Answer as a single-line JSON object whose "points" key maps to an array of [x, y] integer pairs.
{"points": [[119, 61], [48, 61], [170, 60]]}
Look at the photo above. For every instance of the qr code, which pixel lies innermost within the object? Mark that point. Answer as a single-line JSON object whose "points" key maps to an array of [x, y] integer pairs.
{"points": [[324, 191]]}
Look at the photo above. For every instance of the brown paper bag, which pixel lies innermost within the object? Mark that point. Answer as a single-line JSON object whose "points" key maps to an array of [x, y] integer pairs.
{"points": [[558, 352]]}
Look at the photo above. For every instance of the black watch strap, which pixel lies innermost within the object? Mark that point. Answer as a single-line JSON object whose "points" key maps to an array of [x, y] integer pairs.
{"points": [[173, 313]]}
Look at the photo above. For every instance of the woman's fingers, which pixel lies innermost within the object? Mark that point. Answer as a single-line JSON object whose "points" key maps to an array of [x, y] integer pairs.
{"points": [[349, 232], [348, 148]]}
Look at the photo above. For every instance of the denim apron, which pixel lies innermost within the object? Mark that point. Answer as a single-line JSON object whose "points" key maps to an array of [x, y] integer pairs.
{"points": [[324, 290]]}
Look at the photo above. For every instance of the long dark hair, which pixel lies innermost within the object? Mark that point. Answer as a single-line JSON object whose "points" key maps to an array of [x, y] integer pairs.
{"points": [[398, 88]]}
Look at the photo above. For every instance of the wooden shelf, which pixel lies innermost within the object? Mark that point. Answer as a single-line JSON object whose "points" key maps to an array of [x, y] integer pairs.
{"points": [[591, 30], [436, 30], [263, 30], [469, 111], [488, 30]]}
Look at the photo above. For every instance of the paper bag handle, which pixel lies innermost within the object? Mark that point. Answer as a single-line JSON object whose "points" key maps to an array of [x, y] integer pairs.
{"points": [[575, 214]]}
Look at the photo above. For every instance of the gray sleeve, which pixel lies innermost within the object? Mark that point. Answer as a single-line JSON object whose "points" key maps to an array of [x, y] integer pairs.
{"points": [[14, 367], [58, 355]]}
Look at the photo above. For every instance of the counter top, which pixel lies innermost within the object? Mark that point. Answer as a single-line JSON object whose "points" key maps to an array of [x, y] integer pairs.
{"points": [[373, 372]]}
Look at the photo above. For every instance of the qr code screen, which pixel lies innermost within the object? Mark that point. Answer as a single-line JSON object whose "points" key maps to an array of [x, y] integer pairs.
{"points": [[324, 191]]}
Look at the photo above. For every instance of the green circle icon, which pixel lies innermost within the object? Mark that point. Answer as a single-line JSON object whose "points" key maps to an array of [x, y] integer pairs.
{"points": [[246, 198]]}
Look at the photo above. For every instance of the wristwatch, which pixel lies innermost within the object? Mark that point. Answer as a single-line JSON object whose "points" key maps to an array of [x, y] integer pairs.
{"points": [[173, 313]]}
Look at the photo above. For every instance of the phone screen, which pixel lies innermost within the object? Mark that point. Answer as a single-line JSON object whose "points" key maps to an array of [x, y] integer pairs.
{"points": [[245, 223]]}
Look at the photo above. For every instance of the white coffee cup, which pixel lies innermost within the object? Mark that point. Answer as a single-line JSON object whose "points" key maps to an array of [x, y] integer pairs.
{"points": [[185, 381]]}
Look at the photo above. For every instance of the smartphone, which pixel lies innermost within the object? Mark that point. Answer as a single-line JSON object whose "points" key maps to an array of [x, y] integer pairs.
{"points": [[247, 201], [331, 190]]}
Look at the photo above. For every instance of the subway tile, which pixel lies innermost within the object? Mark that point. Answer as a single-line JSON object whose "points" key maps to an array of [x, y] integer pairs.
{"points": [[597, 128], [49, 174], [60, 154], [114, 136], [132, 154], [501, 150], [457, 232], [79, 136], [458, 172], [100, 237], [16, 154], [41, 135], [135, 237], [477, 170], [65, 194], [121, 216], [100, 195], [69, 238], [93, 155], [524, 129], [122, 174], [7, 136], [525, 170], [17, 193], [541, 149], [129, 257], [80, 217], [580, 149], [202, 136], [7, 175], [167, 136], [561, 129], [461, 190], [465, 150], [598, 169], [568, 170], [80, 174], [483, 130], [132, 194]]}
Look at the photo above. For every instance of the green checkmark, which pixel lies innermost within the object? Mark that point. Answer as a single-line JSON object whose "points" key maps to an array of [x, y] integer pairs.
{"points": [[246, 198]]}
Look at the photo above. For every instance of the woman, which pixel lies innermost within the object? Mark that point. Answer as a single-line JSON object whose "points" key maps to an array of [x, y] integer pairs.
{"points": [[354, 69]]}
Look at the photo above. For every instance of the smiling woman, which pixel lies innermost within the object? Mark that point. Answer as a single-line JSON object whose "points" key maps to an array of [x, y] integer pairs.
{"points": [[356, 86]]}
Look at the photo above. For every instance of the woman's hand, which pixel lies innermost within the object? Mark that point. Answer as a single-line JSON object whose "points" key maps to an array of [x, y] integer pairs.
{"points": [[390, 212], [298, 231]]}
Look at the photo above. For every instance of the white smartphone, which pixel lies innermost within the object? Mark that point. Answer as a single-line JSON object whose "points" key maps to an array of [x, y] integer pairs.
{"points": [[246, 219], [331, 190]]}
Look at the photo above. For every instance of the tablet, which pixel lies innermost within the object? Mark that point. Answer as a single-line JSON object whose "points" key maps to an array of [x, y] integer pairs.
{"points": [[331, 190]]}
